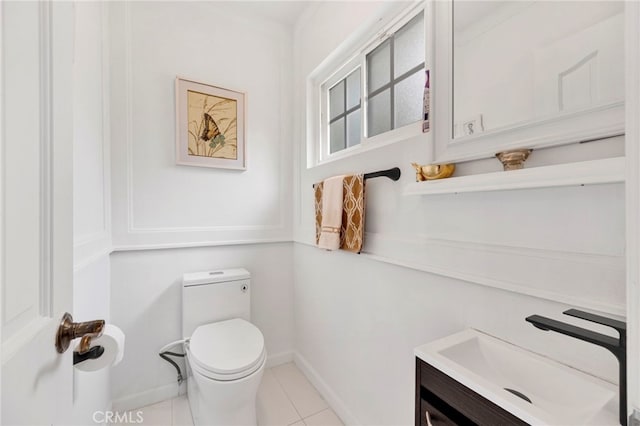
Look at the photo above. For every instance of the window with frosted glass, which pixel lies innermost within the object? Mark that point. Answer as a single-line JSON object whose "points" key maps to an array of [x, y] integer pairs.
{"points": [[395, 79], [344, 113]]}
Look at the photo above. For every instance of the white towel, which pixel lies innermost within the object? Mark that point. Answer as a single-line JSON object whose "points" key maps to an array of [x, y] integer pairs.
{"points": [[332, 195]]}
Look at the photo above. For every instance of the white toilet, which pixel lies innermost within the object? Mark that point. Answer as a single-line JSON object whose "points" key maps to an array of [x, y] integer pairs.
{"points": [[225, 352]]}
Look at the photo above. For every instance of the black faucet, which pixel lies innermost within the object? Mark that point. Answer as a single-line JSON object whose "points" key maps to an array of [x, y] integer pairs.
{"points": [[617, 347]]}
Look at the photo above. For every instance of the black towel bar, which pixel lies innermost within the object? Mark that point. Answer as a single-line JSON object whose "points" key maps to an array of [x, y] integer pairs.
{"points": [[393, 174]]}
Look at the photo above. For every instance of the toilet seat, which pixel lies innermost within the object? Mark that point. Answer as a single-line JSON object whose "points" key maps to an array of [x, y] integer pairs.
{"points": [[226, 350]]}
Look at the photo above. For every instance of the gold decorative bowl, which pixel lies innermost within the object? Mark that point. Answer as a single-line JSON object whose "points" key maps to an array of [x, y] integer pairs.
{"points": [[433, 171], [513, 160]]}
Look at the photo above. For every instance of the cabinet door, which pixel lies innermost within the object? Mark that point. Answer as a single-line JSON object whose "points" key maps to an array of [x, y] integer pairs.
{"points": [[431, 416], [461, 405], [565, 101]]}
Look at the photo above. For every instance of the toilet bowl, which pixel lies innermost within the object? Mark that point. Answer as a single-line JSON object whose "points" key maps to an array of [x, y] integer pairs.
{"points": [[225, 360], [225, 353]]}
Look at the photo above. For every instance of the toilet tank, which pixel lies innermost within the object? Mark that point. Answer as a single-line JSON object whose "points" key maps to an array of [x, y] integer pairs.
{"points": [[212, 296]]}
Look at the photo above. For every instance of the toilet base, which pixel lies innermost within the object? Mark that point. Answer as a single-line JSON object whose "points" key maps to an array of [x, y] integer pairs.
{"points": [[220, 403]]}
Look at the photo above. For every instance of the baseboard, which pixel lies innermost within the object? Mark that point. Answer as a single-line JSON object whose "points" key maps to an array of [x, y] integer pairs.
{"points": [[148, 397], [162, 393], [325, 390], [278, 359]]}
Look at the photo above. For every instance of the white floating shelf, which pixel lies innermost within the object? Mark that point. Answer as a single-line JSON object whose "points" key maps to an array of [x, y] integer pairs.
{"points": [[609, 170]]}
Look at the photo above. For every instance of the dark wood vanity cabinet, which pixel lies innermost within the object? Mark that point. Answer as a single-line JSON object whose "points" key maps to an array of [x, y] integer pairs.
{"points": [[447, 402]]}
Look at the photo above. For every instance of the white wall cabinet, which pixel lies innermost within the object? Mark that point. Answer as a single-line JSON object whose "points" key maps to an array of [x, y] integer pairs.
{"points": [[524, 75]]}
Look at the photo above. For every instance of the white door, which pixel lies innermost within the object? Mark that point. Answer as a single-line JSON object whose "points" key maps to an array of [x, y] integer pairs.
{"points": [[36, 254]]}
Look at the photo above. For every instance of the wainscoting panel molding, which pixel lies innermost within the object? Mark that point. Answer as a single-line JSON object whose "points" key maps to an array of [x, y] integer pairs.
{"points": [[591, 281], [90, 246], [227, 226]]}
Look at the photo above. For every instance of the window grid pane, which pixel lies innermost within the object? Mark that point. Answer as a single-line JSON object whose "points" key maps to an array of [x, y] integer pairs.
{"points": [[336, 100], [400, 72], [337, 136], [379, 113], [379, 66], [353, 128], [353, 89], [408, 99], [345, 112], [409, 46]]}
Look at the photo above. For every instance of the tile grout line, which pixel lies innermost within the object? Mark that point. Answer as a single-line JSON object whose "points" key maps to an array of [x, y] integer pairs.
{"points": [[301, 418], [286, 394], [328, 407], [324, 409]]}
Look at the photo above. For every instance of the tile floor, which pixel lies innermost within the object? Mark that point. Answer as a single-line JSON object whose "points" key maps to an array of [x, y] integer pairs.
{"points": [[285, 397]]}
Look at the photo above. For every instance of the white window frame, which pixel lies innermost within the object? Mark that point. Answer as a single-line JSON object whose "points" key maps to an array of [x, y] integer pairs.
{"points": [[338, 68], [325, 117]]}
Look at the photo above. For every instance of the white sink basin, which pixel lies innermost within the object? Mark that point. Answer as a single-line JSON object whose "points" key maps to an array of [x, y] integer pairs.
{"points": [[559, 395]]}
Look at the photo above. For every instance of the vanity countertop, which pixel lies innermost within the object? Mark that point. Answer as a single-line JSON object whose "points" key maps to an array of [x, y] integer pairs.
{"points": [[559, 394]]}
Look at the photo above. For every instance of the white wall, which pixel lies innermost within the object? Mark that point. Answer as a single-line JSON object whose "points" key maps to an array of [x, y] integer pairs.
{"points": [[91, 198], [91, 300], [240, 216], [159, 204], [436, 265], [357, 321]]}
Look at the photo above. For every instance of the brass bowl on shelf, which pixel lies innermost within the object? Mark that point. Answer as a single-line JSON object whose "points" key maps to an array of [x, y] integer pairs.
{"points": [[513, 160], [433, 171]]}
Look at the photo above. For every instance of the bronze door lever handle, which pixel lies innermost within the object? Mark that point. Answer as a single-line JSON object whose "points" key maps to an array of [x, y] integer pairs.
{"points": [[69, 330]]}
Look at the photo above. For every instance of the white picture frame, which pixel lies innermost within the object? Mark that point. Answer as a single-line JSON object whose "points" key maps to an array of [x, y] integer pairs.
{"points": [[210, 126]]}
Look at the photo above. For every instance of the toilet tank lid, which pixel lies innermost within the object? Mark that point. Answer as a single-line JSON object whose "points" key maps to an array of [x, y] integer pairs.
{"points": [[217, 276]]}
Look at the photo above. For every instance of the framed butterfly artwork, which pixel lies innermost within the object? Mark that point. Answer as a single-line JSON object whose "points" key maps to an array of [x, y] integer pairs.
{"points": [[210, 126]]}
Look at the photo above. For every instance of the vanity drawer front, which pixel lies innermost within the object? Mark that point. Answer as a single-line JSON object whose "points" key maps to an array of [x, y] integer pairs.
{"points": [[471, 405]]}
